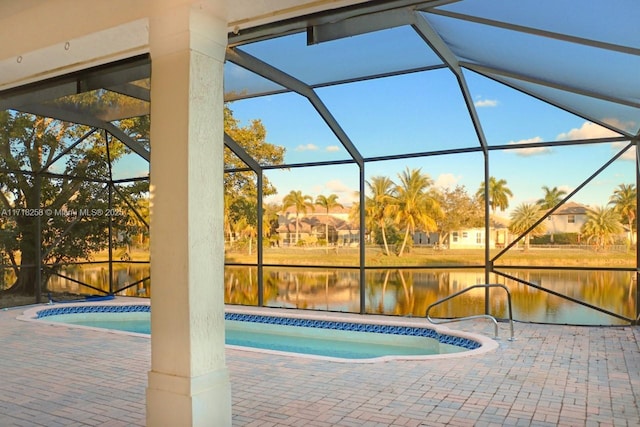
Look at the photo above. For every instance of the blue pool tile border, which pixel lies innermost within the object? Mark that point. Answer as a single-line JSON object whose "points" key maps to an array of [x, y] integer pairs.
{"points": [[75, 309], [277, 320]]}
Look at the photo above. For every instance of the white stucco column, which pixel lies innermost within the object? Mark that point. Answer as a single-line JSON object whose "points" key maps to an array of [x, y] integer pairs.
{"points": [[188, 382]]}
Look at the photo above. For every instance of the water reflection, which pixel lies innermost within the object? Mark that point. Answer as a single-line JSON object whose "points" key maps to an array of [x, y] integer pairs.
{"points": [[97, 276], [410, 292], [399, 292], [319, 289]]}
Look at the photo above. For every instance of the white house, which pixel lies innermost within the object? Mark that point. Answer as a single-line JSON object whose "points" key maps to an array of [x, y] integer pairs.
{"points": [[474, 238], [572, 216], [569, 218]]}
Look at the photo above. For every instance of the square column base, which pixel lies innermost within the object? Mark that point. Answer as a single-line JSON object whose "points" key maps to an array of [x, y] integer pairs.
{"points": [[201, 401]]}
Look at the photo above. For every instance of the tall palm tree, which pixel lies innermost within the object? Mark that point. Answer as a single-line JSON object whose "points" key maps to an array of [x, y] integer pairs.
{"points": [[624, 203], [523, 217], [328, 203], [300, 202], [379, 204], [499, 194], [601, 226], [414, 206], [552, 197]]}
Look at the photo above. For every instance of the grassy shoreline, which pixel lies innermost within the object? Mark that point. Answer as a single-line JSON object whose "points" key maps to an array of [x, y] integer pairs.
{"points": [[431, 257], [428, 257]]}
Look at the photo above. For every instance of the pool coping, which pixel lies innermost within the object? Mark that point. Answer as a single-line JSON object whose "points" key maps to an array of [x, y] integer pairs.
{"points": [[486, 344]]}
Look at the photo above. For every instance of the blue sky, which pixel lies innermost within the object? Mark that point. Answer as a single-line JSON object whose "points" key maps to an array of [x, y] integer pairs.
{"points": [[423, 112]]}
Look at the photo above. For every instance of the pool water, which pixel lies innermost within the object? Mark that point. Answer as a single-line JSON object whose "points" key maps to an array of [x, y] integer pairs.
{"points": [[331, 343], [328, 339]]}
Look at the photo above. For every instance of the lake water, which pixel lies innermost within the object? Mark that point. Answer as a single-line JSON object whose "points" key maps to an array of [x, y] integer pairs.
{"points": [[406, 292]]}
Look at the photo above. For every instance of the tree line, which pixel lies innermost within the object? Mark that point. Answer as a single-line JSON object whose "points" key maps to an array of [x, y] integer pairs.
{"points": [[394, 212]]}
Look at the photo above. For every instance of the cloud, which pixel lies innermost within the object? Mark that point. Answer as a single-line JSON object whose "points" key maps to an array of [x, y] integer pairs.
{"points": [[307, 147], [629, 126], [332, 148], [447, 180], [630, 154], [588, 130], [480, 103], [346, 195], [337, 186], [531, 151]]}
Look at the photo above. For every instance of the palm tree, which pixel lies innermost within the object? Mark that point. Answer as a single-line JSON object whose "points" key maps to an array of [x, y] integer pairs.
{"points": [[523, 217], [601, 226], [499, 194], [378, 205], [300, 202], [328, 203], [414, 206], [624, 203], [552, 197]]}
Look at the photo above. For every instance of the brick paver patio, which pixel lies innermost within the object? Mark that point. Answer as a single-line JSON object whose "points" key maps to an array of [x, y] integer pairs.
{"points": [[552, 375]]}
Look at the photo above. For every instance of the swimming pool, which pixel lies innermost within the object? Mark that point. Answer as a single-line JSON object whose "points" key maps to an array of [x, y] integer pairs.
{"points": [[340, 338]]}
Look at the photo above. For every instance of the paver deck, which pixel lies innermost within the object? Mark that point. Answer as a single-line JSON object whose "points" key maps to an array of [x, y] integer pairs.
{"points": [[551, 375]]}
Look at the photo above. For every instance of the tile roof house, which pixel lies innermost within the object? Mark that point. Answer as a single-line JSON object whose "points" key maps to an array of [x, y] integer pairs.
{"points": [[312, 227], [569, 218]]}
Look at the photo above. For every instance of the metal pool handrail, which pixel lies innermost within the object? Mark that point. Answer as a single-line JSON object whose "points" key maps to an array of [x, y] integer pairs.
{"points": [[477, 316]]}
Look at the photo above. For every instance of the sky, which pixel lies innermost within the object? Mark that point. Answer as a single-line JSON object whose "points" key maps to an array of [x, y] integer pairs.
{"points": [[424, 112]]}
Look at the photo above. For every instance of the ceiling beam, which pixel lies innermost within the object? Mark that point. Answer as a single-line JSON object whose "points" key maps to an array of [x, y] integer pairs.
{"points": [[433, 39], [549, 101], [299, 24], [358, 25], [75, 83], [269, 72], [537, 32], [483, 69]]}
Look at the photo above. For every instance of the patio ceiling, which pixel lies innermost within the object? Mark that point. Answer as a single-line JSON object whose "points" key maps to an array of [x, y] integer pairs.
{"points": [[581, 58]]}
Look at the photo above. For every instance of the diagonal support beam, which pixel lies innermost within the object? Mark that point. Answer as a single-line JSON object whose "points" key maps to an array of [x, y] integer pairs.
{"points": [[498, 76], [74, 117], [134, 145], [241, 153], [538, 32], [483, 69], [433, 39], [269, 72]]}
